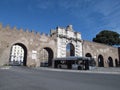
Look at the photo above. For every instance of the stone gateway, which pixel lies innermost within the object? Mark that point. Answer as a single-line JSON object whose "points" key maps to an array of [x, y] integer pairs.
{"points": [[21, 47]]}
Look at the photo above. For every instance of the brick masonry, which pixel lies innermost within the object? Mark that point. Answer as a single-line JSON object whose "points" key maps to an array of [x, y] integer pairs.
{"points": [[36, 42], [96, 49]]}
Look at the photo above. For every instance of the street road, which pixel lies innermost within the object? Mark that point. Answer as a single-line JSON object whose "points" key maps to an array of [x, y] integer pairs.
{"points": [[23, 78]]}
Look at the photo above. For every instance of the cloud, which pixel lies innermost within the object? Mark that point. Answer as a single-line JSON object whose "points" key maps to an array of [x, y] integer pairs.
{"points": [[95, 14], [67, 4], [44, 4], [40, 5], [98, 14], [106, 7], [110, 9]]}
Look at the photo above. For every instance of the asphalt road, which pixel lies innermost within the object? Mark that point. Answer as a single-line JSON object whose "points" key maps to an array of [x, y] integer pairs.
{"points": [[22, 78]]}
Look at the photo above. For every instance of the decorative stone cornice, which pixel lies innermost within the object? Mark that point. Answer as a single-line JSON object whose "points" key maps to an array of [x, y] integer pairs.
{"points": [[69, 38]]}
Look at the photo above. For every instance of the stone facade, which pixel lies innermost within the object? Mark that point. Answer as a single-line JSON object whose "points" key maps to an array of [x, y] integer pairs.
{"points": [[33, 43], [53, 46], [67, 36], [106, 52]]}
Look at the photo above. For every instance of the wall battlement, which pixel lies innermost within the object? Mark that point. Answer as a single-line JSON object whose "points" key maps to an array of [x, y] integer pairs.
{"points": [[7, 28]]}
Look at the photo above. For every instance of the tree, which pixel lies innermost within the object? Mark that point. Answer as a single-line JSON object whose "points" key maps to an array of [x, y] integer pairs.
{"points": [[108, 37]]}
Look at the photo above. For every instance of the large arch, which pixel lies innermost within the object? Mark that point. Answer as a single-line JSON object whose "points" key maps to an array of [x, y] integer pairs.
{"points": [[110, 62], [70, 50], [100, 61], [18, 54], [46, 57]]}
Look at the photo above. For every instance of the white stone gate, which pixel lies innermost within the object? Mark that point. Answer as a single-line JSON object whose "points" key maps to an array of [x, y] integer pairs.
{"points": [[66, 36]]}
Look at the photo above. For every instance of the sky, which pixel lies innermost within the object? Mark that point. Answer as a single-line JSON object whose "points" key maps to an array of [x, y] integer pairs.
{"points": [[88, 17]]}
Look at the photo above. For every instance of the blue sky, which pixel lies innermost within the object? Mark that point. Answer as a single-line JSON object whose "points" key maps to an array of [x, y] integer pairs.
{"points": [[88, 17]]}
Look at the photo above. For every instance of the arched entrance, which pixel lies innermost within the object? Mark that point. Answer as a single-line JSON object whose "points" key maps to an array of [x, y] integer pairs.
{"points": [[88, 55], [100, 61], [88, 63], [70, 50], [18, 55], [110, 62], [92, 61], [116, 63], [46, 56]]}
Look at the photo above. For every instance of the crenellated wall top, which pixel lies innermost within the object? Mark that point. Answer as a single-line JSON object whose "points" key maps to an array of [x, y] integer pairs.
{"points": [[27, 31]]}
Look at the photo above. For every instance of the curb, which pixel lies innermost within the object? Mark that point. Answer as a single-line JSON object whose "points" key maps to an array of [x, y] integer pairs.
{"points": [[80, 71]]}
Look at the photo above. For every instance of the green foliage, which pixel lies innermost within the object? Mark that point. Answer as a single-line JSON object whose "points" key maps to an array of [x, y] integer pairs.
{"points": [[108, 37]]}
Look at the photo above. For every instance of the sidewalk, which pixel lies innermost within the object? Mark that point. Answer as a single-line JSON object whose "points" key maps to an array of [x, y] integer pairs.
{"points": [[110, 70], [99, 70]]}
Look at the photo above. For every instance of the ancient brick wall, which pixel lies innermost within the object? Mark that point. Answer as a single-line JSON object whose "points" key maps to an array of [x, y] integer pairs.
{"points": [[119, 55], [31, 40], [34, 43], [96, 49]]}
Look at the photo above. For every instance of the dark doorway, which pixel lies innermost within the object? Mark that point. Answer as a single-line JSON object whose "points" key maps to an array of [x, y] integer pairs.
{"points": [[18, 55], [110, 62], [116, 63], [70, 50], [46, 57], [100, 61], [88, 55], [89, 63]]}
